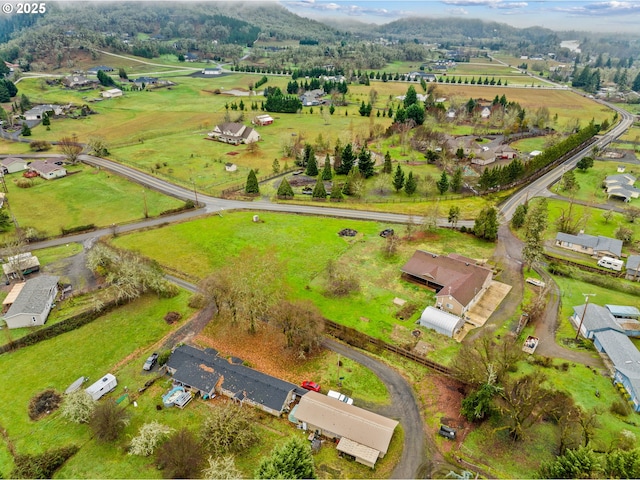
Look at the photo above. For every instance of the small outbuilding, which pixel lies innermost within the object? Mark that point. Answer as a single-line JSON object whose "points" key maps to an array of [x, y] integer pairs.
{"points": [[112, 93], [441, 321]]}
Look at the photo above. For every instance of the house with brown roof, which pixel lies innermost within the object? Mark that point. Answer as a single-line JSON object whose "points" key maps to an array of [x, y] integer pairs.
{"points": [[47, 169], [234, 133], [362, 434], [458, 281]]}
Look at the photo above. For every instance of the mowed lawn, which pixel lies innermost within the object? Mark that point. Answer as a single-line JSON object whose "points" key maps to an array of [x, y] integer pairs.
{"points": [[98, 197], [304, 245], [92, 351]]}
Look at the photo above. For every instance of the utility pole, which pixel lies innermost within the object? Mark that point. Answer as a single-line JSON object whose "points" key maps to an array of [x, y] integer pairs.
{"points": [[195, 192], [584, 312]]}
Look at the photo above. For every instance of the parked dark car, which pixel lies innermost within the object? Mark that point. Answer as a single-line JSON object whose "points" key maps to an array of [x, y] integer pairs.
{"points": [[151, 361]]}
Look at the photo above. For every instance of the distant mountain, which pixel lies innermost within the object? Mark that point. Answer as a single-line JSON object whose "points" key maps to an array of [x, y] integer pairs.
{"points": [[472, 32]]}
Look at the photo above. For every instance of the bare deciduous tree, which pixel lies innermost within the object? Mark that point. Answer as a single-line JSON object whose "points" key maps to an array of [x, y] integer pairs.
{"points": [[70, 149], [522, 402], [181, 456], [485, 359]]}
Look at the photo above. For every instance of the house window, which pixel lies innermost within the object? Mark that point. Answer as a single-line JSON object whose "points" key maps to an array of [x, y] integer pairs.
{"points": [[449, 306]]}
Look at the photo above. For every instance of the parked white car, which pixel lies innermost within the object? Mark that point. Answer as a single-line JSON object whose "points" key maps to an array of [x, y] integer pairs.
{"points": [[340, 396]]}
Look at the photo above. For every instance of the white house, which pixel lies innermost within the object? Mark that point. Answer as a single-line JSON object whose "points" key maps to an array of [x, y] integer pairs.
{"points": [[38, 112], [47, 170], [33, 304], [112, 93], [234, 133]]}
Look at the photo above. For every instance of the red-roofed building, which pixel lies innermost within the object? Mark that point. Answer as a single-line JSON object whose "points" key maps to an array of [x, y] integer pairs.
{"points": [[458, 281]]}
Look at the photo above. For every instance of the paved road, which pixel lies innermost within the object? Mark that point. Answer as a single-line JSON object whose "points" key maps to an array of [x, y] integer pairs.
{"points": [[539, 186]]}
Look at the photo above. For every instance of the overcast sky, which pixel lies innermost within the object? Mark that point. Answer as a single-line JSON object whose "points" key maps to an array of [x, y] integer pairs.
{"points": [[610, 16]]}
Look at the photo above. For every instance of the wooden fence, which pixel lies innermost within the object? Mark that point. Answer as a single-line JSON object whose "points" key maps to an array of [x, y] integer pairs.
{"points": [[362, 340]]}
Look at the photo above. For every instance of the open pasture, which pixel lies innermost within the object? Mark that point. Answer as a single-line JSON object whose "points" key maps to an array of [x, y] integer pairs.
{"points": [[99, 198]]}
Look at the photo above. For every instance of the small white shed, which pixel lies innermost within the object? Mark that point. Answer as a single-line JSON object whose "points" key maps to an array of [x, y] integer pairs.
{"points": [[112, 93], [441, 321]]}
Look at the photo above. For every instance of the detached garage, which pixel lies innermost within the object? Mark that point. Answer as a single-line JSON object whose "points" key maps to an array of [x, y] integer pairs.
{"points": [[441, 321]]}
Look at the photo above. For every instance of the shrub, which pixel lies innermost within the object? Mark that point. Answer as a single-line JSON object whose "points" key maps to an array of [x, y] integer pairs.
{"points": [[23, 182], [163, 357], [149, 437], [78, 407], [181, 456], [619, 407], [42, 465], [108, 421], [44, 403], [228, 429], [172, 317]]}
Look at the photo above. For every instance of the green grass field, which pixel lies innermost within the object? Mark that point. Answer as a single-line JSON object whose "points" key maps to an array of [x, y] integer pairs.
{"points": [[164, 129], [56, 363], [290, 238], [98, 197]]}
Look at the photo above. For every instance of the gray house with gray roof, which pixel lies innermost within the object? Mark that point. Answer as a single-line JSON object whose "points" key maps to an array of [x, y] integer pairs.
{"points": [[596, 319], [621, 186], [32, 306], [633, 268], [591, 245], [205, 372], [625, 360]]}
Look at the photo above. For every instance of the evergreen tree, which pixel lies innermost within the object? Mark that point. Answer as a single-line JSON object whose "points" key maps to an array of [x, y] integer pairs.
{"points": [[336, 193], [25, 103], [326, 171], [337, 157], [535, 224], [26, 131], [365, 163], [252, 187], [292, 460], [11, 87], [636, 83], [486, 224], [443, 183], [349, 187], [348, 160], [319, 191], [387, 167], [410, 185], [310, 160], [285, 190], [398, 179], [45, 119], [519, 216], [416, 113], [411, 97], [456, 181], [4, 94], [104, 79]]}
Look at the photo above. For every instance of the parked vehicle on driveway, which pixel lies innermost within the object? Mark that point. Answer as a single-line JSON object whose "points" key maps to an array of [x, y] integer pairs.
{"points": [[309, 385], [151, 361], [340, 396]]}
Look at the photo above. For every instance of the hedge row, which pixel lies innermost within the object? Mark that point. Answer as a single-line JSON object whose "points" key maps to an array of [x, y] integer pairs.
{"points": [[54, 330]]}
